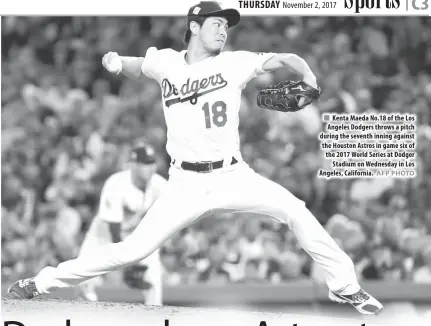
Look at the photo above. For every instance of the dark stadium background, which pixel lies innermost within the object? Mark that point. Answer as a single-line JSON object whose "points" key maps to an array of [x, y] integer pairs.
{"points": [[67, 124]]}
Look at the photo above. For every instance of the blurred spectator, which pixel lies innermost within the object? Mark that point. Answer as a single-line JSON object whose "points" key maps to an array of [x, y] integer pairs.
{"points": [[423, 274]]}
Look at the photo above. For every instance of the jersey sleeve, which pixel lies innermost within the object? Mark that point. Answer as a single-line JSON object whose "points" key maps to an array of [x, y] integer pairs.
{"points": [[111, 205], [154, 64], [249, 65]]}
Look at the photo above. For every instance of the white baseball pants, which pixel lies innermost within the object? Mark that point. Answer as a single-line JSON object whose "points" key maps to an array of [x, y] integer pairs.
{"points": [[191, 195], [98, 236]]}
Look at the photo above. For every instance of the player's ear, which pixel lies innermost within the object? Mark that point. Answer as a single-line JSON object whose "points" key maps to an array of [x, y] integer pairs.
{"points": [[194, 27]]}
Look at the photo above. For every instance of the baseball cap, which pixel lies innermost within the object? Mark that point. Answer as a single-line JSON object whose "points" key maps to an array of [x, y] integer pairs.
{"points": [[211, 9], [143, 153]]}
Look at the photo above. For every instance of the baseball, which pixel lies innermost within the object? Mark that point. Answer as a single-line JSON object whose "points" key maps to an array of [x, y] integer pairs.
{"points": [[115, 65]]}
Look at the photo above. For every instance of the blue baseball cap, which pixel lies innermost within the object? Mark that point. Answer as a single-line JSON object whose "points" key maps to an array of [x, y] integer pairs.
{"points": [[143, 153], [211, 9]]}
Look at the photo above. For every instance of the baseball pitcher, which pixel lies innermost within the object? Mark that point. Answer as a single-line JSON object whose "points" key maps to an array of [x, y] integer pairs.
{"points": [[201, 91]]}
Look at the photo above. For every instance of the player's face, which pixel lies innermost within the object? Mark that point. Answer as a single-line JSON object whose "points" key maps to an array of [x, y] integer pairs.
{"points": [[213, 34], [143, 172]]}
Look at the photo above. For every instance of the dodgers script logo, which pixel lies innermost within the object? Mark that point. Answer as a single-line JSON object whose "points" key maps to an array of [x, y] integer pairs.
{"points": [[192, 89]]}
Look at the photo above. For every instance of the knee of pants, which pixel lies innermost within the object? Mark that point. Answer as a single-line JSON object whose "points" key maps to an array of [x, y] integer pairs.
{"points": [[286, 209]]}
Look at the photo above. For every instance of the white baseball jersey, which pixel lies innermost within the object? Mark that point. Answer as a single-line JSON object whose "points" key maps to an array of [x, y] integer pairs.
{"points": [[201, 101], [122, 202]]}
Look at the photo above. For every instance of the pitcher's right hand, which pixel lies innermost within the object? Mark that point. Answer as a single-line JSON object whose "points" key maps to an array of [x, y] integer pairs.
{"points": [[112, 62]]}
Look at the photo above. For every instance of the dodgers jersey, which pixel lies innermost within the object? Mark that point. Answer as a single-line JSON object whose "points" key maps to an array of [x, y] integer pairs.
{"points": [[201, 101], [122, 202]]}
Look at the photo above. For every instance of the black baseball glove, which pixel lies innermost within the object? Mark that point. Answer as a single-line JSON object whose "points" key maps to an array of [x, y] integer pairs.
{"points": [[133, 276], [286, 96]]}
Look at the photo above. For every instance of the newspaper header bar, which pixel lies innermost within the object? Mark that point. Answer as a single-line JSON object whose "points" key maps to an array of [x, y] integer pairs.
{"points": [[245, 7]]}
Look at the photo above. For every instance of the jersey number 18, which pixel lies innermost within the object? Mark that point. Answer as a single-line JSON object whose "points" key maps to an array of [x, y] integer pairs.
{"points": [[218, 113]]}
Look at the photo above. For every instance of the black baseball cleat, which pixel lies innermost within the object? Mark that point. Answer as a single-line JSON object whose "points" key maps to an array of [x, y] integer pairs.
{"points": [[23, 289], [361, 301]]}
